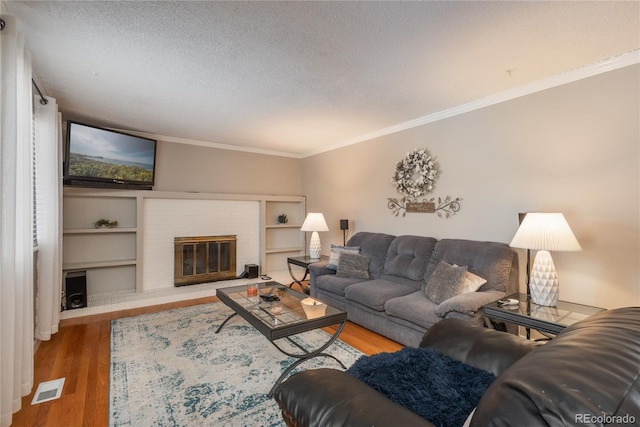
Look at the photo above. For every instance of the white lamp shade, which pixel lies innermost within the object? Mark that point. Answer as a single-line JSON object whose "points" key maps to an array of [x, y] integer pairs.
{"points": [[314, 222], [545, 231]]}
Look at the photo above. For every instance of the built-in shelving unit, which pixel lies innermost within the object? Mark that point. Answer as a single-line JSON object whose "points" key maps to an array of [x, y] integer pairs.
{"points": [[110, 256], [282, 240], [113, 257]]}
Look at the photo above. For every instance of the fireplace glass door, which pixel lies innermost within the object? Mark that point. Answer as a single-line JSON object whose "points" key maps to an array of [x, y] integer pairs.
{"points": [[204, 259]]}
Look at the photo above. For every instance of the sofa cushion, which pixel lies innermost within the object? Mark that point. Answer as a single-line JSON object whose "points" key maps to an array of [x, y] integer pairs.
{"points": [[374, 293], [336, 250], [408, 257], [334, 284], [495, 262], [414, 308], [488, 349], [376, 246], [445, 282], [353, 265]]}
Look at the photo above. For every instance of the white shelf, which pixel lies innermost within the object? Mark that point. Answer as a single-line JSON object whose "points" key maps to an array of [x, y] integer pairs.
{"points": [[97, 264], [282, 250], [99, 230], [287, 225]]}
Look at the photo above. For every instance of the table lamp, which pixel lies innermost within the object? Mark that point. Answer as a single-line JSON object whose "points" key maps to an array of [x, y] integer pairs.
{"points": [[545, 232], [314, 222]]}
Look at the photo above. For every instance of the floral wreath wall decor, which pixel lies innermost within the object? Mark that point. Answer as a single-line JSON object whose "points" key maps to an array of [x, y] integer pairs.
{"points": [[416, 173], [415, 176]]}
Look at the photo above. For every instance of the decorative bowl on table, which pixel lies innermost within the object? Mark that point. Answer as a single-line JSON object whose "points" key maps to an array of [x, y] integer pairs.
{"points": [[313, 308]]}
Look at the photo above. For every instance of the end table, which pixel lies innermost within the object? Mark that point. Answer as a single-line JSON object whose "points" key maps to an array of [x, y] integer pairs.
{"points": [[302, 261], [547, 320]]}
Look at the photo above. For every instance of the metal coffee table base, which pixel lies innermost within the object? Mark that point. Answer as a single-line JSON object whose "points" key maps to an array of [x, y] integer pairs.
{"points": [[302, 357], [305, 355]]}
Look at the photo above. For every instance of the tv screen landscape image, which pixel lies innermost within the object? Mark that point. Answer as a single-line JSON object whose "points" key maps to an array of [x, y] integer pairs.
{"points": [[98, 155]]}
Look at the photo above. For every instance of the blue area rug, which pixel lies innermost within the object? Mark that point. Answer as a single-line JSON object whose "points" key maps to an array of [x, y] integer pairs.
{"points": [[170, 369], [438, 388]]}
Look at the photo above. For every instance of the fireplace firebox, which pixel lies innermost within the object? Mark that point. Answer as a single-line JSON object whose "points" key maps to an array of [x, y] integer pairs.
{"points": [[204, 259]]}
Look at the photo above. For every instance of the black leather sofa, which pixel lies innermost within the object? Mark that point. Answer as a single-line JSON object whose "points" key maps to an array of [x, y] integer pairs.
{"points": [[588, 375]]}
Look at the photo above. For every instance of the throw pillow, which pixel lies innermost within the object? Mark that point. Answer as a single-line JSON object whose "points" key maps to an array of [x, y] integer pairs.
{"points": [[439, 388], [336, 250], [445, 281], [353, 265], [472, 282]]}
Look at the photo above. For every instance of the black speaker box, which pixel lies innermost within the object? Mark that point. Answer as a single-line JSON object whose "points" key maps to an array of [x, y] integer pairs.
{"points": [[251, 271], [76, 290], [521, 217]]}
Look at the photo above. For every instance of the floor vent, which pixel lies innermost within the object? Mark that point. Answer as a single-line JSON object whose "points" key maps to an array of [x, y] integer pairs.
{"points": [[49, 390]]}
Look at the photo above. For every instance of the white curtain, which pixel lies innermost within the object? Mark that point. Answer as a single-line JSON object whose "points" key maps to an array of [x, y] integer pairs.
{"points": [[16, 252], [48, 155]]}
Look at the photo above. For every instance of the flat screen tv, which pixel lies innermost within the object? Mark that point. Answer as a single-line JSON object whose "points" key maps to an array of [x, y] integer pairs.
{"points": [[98, 157]]}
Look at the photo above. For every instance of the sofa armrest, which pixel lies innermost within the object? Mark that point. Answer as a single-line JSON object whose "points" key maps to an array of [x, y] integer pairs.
{"points": [[315, 270], [468, 303], [487, 349], [319, 268], [332, 398]]}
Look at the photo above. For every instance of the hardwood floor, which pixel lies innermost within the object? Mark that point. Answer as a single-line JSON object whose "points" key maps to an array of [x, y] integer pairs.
{"points": [[79, 352]]}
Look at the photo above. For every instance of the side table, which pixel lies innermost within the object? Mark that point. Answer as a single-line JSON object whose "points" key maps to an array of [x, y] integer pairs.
{"points": [[302, 261], [549, 320]]}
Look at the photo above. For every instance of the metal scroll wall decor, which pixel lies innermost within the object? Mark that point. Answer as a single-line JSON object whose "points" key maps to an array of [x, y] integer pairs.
{"points": [[415, 176]]}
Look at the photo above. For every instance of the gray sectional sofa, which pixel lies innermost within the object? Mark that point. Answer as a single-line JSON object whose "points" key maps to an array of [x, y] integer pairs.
{"points": [[392, 300]]}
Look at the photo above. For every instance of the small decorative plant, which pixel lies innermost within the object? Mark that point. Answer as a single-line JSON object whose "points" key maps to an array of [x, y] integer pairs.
{"points": [[103, 222], [282, 219]]}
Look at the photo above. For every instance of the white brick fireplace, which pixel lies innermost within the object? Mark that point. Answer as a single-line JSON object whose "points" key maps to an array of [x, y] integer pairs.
{"points": [[165, 219]]}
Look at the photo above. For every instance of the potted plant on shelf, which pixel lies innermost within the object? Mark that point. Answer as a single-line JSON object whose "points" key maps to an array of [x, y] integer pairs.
{"points": [[105, 223], [282, 219]]}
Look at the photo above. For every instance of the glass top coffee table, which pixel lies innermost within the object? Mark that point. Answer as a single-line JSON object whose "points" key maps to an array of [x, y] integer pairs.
{"points": [[276, 311]]}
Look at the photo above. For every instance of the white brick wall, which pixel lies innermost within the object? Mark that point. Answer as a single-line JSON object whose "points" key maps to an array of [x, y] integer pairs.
{"points": [[165, 219]]}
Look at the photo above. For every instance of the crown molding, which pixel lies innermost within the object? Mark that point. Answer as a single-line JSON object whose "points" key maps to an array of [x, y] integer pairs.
{"points": [[179, 140], [614, 63]]}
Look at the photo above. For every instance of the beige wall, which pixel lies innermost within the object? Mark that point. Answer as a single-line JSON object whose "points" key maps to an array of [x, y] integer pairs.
{"points": [[183, 167], [571, 149]]}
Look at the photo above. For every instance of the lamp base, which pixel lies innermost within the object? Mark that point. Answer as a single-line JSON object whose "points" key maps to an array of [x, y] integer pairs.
{"points": [[544, 280], [314, 246]]}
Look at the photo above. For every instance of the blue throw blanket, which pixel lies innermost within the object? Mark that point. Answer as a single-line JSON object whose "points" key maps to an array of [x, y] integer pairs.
{"points": [[438, 388]]}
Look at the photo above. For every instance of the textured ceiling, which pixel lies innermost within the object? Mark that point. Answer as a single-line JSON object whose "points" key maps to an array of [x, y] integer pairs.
{"points": [[301, 77]]}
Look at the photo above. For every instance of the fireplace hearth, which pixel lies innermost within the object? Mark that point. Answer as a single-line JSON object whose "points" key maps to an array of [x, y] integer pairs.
{"points": [[204, 259]]}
